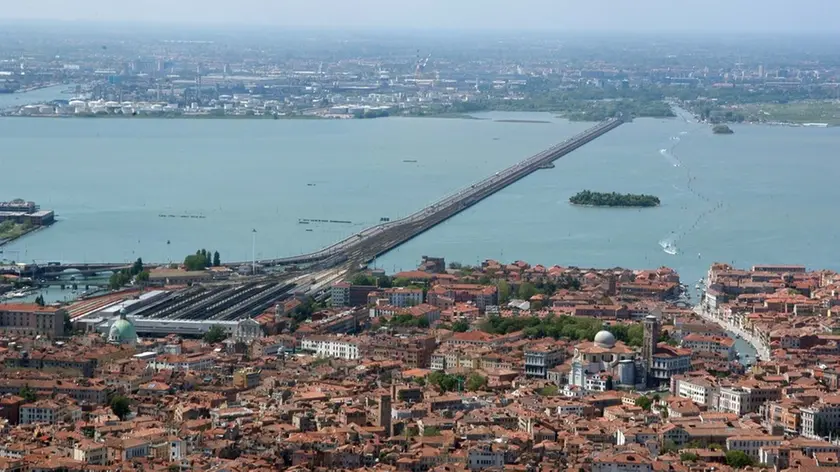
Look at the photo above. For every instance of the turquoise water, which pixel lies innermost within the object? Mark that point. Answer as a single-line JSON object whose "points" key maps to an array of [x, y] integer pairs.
{"points": [[769, 196], [12, 100], [110, 180], [762, 195]]}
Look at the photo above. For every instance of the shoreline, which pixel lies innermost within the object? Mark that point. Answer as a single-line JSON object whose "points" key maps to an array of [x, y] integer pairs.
{"points": [[37, 87], [522, 121], [464, 116], [3, 242], [172, 117], [591, 205]]}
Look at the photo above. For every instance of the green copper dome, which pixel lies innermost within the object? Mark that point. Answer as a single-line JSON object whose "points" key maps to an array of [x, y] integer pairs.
{"points": [[122, 331]]}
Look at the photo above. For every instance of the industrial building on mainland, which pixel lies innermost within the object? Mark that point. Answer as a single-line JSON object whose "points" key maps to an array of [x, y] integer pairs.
{"points": [[25, 213]]}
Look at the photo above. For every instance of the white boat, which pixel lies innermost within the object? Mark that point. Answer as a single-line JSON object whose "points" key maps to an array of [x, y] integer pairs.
{"points": [[18, 294], [669, 248]]}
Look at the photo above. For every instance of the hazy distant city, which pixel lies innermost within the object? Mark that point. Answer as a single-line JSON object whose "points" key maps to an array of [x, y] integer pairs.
{"points": [[205, 74], [248, 247]]}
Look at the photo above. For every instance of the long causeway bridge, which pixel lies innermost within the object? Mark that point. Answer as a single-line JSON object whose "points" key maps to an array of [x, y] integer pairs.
{"points": [[377, 240], [363, 247]]}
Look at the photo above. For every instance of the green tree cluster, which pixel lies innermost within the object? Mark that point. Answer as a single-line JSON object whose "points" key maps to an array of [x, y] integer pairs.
{"points": [[503, 291], [408, 321], [549, 390], [688, 457], [460, 326], [669, 446], [569, 327], [613, 199], [738, 459], [121, 406], [215, 334], [564, 282], [475, 382], [27, 394], [371, 281], [201, 260], [305, 310], [399, 282], [39, 300], [444, 382], [526, 290], [123, 277], [119, 279], [644, 402]]}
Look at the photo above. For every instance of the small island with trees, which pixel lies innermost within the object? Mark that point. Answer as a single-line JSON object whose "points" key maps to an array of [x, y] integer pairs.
{"points": [[722, 129], [613, 199]]}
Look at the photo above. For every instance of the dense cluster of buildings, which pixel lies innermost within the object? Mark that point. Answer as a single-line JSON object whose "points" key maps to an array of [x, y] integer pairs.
{"points": [[397, 76], [442, 370], [789, 313]]}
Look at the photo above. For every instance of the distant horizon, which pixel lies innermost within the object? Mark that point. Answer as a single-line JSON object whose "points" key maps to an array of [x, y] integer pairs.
{"points": [[642, 16], [222, 28]]}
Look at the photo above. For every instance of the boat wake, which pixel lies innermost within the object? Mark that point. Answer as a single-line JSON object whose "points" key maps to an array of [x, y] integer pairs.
{"points": [[669, 157], [668, 247]]}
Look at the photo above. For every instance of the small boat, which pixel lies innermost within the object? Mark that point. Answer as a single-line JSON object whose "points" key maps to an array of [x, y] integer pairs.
{"points": [[669, 248], [409, 160], [309, 229], [168, 242]]}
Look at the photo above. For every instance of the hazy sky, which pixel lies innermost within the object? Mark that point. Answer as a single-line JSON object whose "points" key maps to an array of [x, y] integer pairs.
{"points": [[620, 15]]}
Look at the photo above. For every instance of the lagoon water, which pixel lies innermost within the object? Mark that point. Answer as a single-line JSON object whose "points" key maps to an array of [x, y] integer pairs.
{"points": [[13, 100], [761, 195]]}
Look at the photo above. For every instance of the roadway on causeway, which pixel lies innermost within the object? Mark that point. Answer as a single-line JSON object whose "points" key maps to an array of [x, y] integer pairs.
{"points": [[362, 247], [375, 241]]}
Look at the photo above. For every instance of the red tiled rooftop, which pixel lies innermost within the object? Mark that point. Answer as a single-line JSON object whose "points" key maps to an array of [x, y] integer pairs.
{"points": [[27, 308]]}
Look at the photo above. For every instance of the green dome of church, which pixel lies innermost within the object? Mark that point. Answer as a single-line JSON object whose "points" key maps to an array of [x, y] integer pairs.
{"points": [[122, 331]]}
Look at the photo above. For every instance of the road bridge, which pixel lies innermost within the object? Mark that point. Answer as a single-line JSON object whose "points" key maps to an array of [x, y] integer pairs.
{"points": [[377, 240], [374, 241]]}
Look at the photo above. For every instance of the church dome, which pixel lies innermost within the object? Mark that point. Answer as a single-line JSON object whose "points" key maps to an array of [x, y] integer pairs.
{"points": [[122, 331], [604, 339]]}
